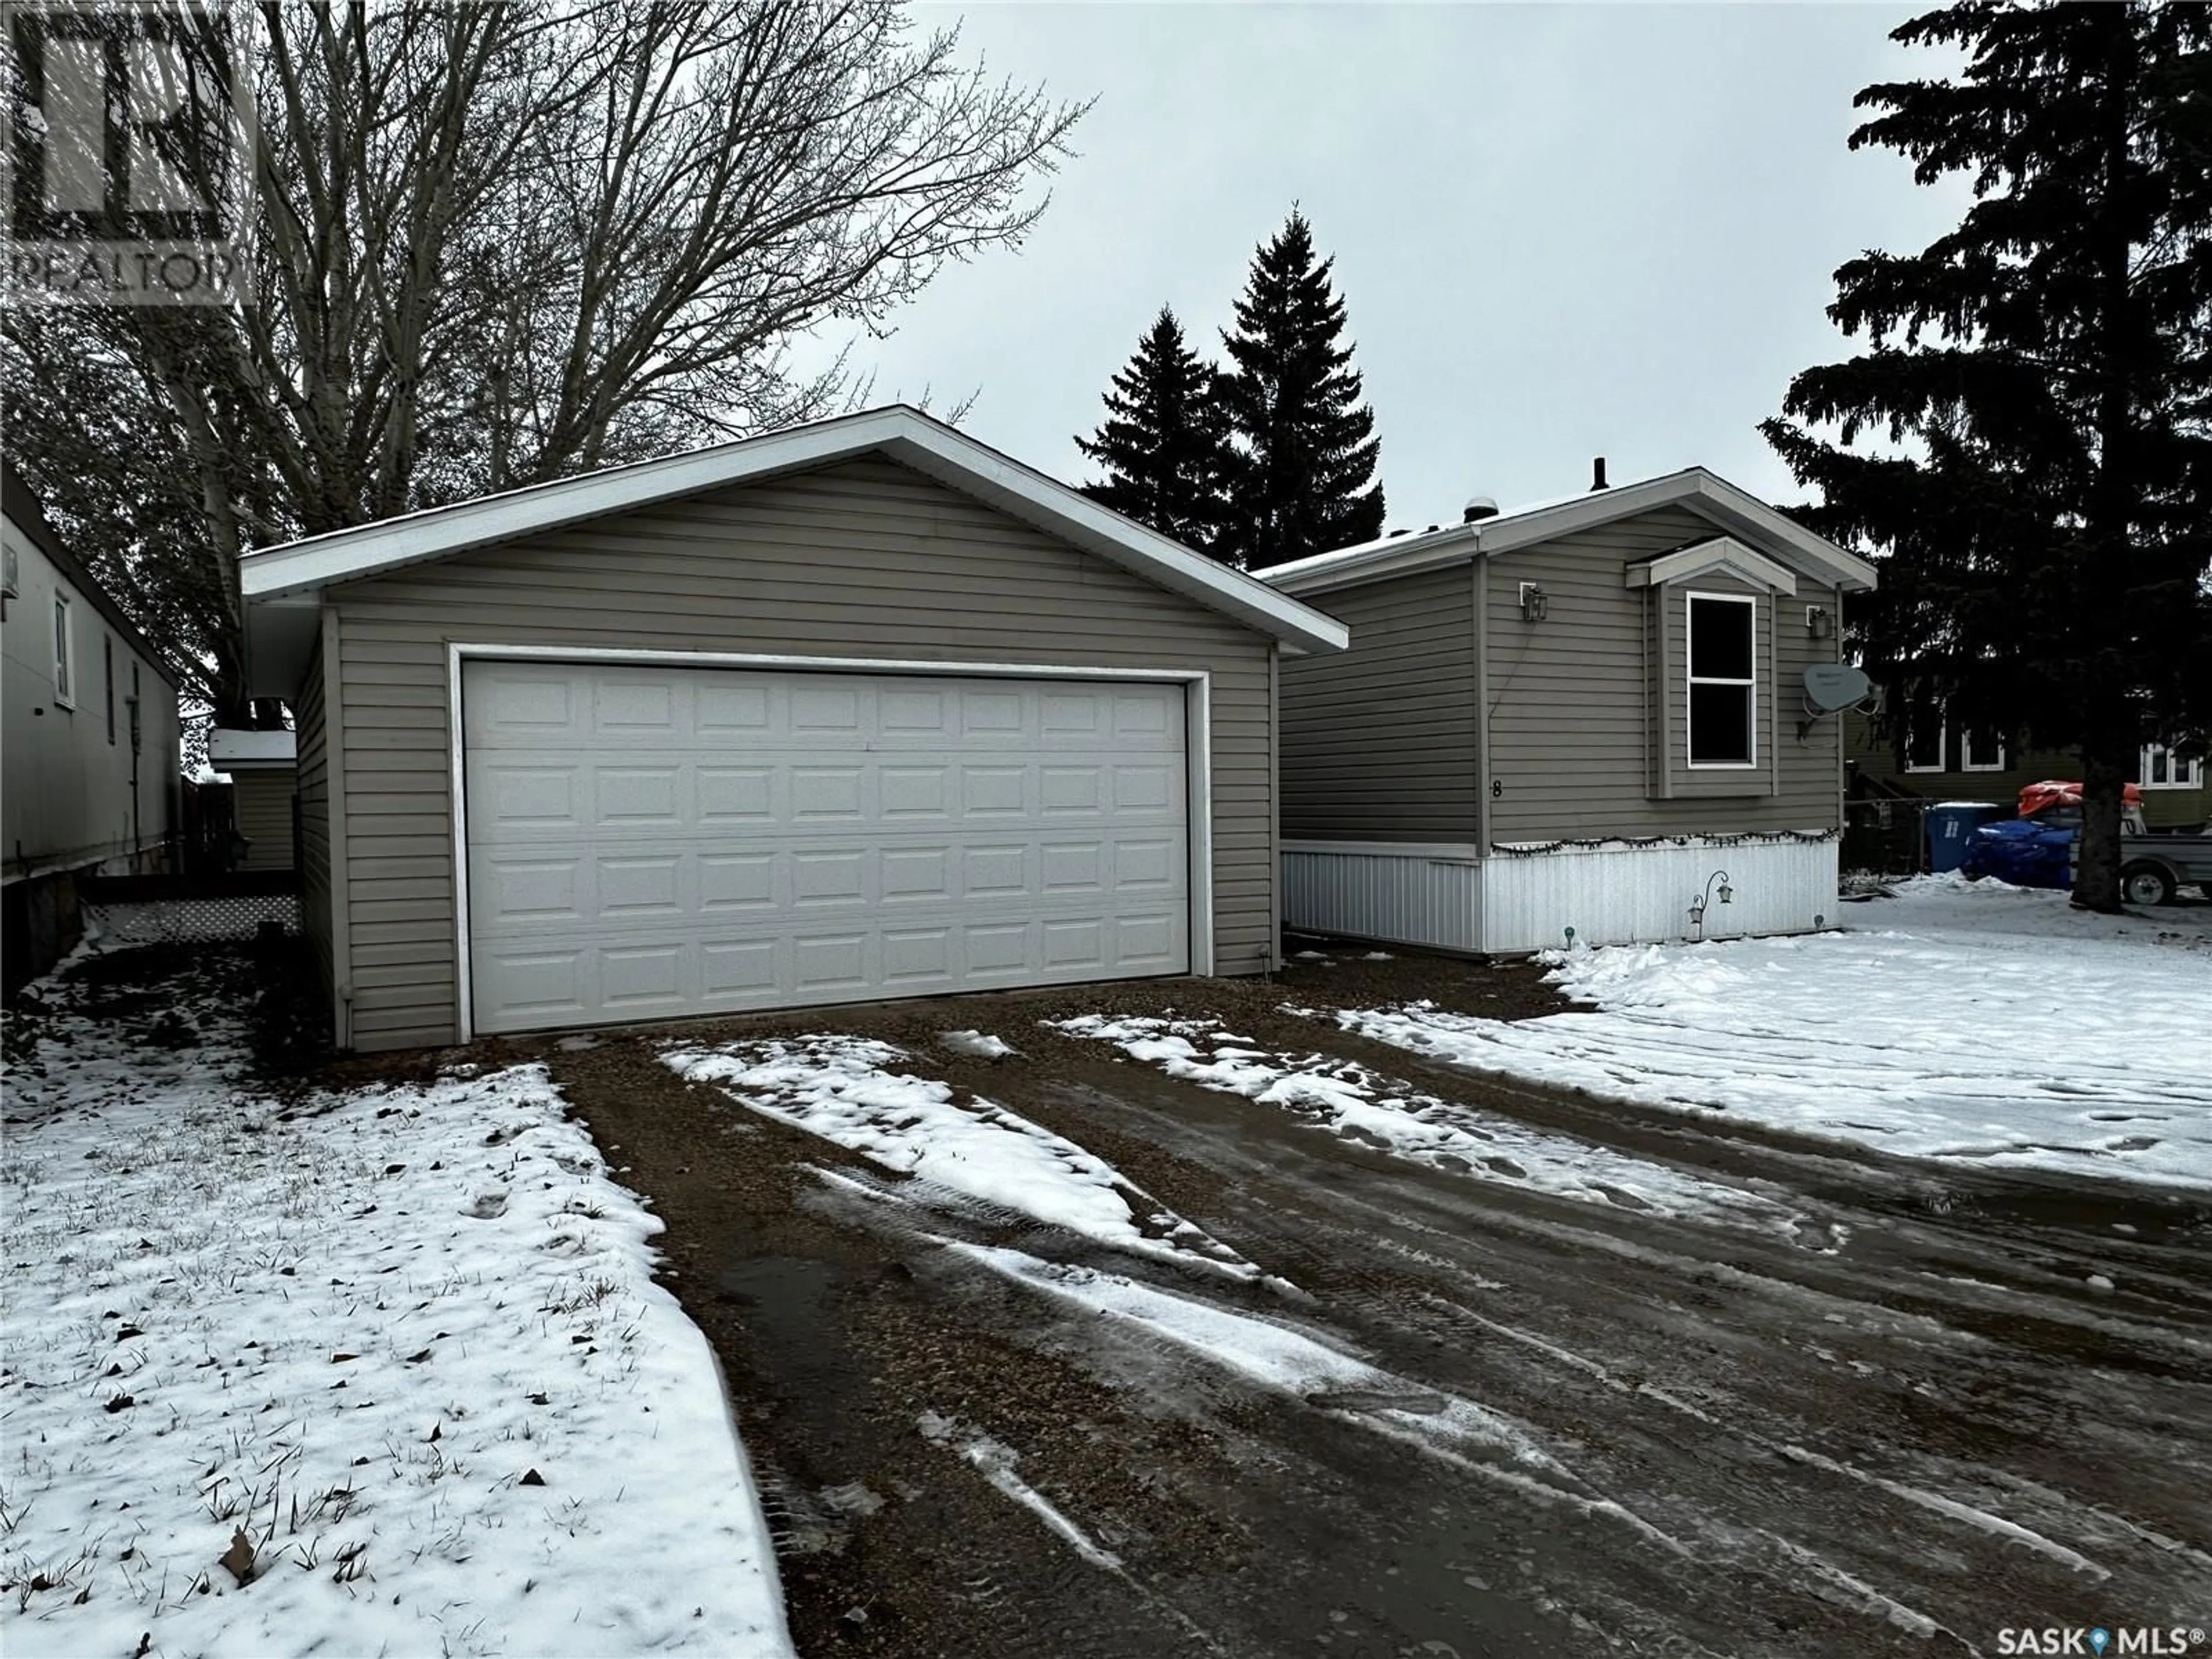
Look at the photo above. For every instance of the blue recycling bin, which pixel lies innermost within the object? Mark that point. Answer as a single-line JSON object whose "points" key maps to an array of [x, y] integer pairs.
{"points": [[1948, 825]]}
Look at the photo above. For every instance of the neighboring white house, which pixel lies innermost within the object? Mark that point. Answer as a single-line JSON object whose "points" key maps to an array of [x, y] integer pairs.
{"points": [[89, 749], [264, 770]]}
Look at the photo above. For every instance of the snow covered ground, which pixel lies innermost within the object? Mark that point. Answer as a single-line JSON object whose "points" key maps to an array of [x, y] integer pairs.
{"points": [[1358, 1104], [383, 1372], [844, 1090], [1962, 1021]]}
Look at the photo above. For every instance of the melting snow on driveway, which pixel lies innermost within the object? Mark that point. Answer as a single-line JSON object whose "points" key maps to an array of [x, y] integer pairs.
{"points": [[379, 1372], [844, 1090], [1273, 1356], [1958, 1021], [1359, 1103]]}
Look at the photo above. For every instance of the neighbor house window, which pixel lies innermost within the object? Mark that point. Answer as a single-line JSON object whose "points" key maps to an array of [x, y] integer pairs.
{"points": [[1981, 751], [1723, 679], [2160, 768], [65, 693], [1926, 739], [108, 666]]}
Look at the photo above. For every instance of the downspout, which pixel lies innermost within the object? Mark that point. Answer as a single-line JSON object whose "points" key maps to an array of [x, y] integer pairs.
{"points": [[1480, 577], [1275, 807]]}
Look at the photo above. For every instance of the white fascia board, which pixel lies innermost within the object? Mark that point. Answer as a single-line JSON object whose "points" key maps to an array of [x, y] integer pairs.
{"points": [[229, 749], [1431, 550], [903, 434], [1722, 553], [1717, 501]]}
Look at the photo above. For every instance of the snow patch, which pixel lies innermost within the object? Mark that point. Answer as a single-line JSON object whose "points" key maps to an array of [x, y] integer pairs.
{"points": [[1358, 1103], [844, 1090], [1970, 1022]]}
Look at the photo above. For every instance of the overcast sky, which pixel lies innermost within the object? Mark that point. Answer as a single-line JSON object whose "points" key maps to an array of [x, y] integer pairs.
{"points": [[1561, 231]]}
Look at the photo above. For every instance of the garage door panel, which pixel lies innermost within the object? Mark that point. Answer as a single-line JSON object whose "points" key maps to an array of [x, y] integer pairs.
{"points": [[644, 843]]}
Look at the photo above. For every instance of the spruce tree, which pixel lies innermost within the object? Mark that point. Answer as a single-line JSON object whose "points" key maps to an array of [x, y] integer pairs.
{"points": [[1164, 443], [2037, 489], [1303, 479]]}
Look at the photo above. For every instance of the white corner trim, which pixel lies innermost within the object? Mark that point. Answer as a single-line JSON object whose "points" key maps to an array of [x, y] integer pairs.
{"points": [[1198, 742], [904, 434]]}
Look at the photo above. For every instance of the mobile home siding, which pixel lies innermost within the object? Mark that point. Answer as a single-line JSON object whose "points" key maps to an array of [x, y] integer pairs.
{"points": [[862, 560], [1379, 741], [1576, 707], [314, 786], [261, 805]]}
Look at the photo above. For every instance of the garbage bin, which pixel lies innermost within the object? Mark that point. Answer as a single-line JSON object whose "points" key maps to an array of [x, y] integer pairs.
{"points": [[1947, 824]]}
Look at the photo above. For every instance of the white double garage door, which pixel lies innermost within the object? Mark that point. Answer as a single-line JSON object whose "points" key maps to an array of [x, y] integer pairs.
{"points": [[647, 842]]}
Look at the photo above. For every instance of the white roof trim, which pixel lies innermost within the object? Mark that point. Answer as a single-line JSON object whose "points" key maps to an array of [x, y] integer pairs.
{"points": [[230, 749], [1722, 553], [1713, 499], [904, 434]]}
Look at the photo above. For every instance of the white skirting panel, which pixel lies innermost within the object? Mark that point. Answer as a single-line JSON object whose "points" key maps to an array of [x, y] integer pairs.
{"points": [[1408, 894], [1635, 894], [1448, 897]]}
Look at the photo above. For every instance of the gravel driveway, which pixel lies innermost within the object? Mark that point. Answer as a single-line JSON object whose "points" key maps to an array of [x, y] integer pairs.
{"points": [[1750, 1396]]}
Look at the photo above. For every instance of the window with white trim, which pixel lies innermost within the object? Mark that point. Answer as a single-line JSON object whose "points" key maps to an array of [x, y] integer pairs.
{"points": [[1981, 750], [64, 693], [2160, 768], [1723, 690], [1927, 735]]}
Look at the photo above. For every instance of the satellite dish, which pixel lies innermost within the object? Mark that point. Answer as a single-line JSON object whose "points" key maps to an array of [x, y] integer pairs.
{"points": [[1832, 685]]}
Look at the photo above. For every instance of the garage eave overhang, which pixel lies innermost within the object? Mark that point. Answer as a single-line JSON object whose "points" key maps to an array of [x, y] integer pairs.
{"points": [[1720, 503], [297, 571]]}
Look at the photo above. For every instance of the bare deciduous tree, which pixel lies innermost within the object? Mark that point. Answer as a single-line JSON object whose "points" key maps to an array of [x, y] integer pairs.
{"points": [[495, 245]]}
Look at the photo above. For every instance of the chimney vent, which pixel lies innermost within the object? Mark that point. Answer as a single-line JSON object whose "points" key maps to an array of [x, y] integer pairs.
{"points": [[1477, 507], [1597, 474]]}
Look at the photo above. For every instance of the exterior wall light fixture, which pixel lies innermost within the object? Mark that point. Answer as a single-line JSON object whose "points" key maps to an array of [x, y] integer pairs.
{"points": [[1532, 603]]}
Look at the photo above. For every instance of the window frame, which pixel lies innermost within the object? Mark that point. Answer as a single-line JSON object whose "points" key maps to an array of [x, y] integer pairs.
{"points": [[1921, 768], [1968, 763], [2193, 768], [1692, 679], [64, 653]]}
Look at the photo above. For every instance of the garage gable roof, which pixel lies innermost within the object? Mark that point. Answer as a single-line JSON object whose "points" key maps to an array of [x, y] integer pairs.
{"points": [[902, 433], [1719, 503]]}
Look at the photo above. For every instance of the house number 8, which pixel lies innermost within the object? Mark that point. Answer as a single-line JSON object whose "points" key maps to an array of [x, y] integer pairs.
{"points": [[1496, 787]]}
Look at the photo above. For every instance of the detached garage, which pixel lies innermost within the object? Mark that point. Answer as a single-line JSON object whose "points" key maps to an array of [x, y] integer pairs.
{"points": [[857, 711]]}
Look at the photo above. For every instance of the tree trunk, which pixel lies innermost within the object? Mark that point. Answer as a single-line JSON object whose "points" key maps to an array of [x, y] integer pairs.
{"points": [[2104, 779]]}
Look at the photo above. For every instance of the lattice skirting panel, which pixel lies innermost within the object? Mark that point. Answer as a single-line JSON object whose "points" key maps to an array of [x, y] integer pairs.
{"points": [[168, 921]]}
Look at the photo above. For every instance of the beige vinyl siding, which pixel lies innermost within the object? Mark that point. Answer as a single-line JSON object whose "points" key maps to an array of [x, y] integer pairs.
{"points": [[1575, 720], [864, 560], [314, 787], [1379, 741], [261, 804]]}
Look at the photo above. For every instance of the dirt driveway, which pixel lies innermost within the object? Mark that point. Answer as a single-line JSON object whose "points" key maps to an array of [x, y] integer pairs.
{"points": [[1801, 1402]]}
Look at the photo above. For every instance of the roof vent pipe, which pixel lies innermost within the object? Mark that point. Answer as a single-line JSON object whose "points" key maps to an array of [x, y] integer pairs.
{"points": [[1477, 507], [1597, 473]]}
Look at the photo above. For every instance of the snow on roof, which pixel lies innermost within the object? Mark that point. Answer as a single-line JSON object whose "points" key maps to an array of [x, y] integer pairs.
{"points": [[1434, 535], [1706, 494]]}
